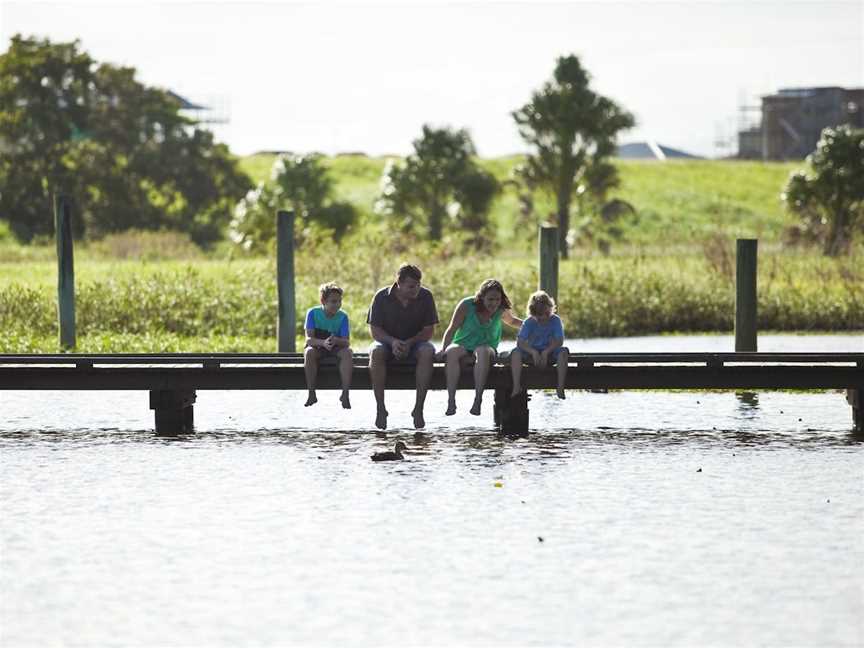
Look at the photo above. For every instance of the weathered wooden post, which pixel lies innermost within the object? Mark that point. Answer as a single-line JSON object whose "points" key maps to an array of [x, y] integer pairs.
{"points": [[173, 410], [745, 295], [548, 260], [287, 325], [65, 271], [855, 398], [511, 412]]}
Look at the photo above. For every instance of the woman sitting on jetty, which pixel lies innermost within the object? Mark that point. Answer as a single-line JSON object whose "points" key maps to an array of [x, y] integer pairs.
{"points": [[475, 331]]}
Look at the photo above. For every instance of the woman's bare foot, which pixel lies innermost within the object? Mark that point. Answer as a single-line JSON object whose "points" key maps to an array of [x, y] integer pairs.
{"points": [[381, 419], [451, 408], [346, 402], [419, 421], [475, 408], [312, 398]]}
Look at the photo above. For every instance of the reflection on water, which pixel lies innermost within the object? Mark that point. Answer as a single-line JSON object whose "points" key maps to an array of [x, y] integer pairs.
{"points": [[749, 401]]}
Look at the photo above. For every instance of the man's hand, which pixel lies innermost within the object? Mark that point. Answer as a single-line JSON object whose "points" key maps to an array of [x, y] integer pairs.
{"points": [[329, 344], [400, 349]]}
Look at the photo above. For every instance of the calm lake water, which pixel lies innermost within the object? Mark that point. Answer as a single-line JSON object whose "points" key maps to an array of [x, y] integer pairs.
{"points": [[666, 519]]}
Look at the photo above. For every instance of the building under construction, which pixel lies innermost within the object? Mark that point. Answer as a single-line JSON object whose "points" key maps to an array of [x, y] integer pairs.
{"points": [[793, 119]]}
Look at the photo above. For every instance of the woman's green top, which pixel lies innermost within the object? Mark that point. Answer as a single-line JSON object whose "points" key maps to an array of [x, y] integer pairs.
{"points": [[473, 333]]}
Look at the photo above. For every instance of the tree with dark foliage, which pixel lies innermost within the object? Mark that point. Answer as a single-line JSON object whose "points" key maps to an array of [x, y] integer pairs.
{"points": [[121, 150], [439, 181], [829, 197]]}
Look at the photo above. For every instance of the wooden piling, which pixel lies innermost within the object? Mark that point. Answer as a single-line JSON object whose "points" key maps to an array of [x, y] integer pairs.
{"points": [[65, 271], [855, 398], [547, 260], [173, 410], [745, 295], [287, 324], [511, 412]]}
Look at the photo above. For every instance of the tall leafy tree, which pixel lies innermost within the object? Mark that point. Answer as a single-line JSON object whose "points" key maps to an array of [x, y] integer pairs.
{"points": [[829, 196], [120, 149], [439, 181], [571, 129]]}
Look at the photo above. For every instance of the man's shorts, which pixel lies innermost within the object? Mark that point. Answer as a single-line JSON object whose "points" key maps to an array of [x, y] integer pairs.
{"points": [[412, 353], [527, 359]]}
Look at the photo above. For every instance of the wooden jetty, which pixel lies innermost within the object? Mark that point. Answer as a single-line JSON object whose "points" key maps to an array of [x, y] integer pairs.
{"points": [[172, 380]]}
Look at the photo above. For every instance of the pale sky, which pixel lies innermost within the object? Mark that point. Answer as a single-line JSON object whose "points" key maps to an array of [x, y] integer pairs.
{"points": [[364, 76]]}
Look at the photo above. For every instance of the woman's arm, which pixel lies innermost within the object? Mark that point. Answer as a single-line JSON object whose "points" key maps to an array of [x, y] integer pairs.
{"points": [[510, 319], [455, 323]]}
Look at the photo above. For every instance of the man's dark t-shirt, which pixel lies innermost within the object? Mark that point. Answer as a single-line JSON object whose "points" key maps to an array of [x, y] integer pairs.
{"points": [[402, 322]]}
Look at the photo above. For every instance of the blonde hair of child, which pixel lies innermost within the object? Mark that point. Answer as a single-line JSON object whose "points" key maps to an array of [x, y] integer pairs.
{"points": [[540, 300]]}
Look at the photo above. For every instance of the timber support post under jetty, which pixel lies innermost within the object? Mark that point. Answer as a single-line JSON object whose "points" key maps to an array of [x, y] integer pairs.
{"points": [[511, 412], [855, 398], [173, 410]]}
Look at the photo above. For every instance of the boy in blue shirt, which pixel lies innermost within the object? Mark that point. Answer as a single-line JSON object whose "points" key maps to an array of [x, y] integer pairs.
{"points": [[540, 341], [327, 337]]}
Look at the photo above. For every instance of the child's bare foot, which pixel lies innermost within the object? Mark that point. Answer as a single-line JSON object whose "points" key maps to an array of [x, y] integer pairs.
{"points": [[561, 394], [311, 400], [381, 419], [475, 408], [451, 408], [419, 421], [346, 402]]}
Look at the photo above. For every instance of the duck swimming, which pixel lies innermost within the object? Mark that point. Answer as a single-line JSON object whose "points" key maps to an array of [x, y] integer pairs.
{"points": [[391, 455]]}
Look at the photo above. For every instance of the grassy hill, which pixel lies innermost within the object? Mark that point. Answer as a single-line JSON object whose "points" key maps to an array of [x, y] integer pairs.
{"points": [[677, 201]]}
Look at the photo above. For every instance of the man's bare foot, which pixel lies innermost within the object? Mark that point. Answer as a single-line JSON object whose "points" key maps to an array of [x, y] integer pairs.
{"points": [[311, 400], [475, 408], [346, 402], [381, 419], [561, 394], [419, 421], [451, 408]]}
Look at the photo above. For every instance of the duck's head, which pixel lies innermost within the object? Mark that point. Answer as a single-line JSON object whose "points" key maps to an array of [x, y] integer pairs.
{"points": [[400, 447]]}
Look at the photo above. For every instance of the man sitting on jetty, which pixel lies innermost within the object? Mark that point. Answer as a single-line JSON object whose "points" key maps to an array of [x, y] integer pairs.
{"points": [[402, 320]]}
